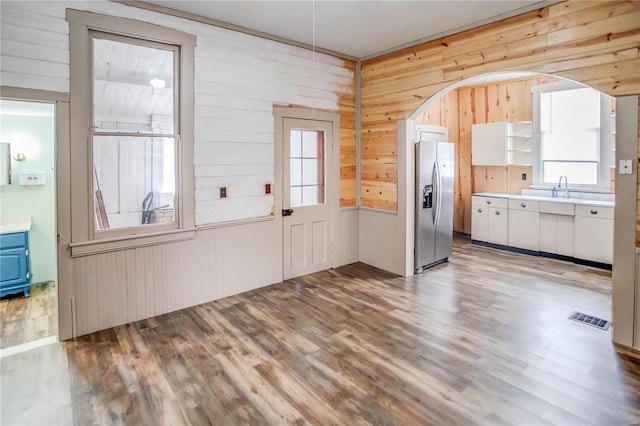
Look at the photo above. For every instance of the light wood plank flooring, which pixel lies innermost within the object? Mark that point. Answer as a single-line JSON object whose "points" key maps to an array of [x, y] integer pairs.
{"points": [[483, 339], [24, 320]]}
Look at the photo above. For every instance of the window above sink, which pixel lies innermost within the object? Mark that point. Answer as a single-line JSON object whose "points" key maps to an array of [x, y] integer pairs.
{"points": [[572, 136]]}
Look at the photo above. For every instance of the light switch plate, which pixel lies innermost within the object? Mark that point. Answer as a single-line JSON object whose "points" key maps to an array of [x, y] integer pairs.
{"points": [[626, 167], [30, 179]]}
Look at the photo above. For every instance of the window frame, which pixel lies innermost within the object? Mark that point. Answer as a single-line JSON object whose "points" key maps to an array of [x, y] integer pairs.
{"points": [[604, 151], [86, 239]]}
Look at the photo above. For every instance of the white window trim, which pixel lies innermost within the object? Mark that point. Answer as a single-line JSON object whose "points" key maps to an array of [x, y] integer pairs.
{"points": [[84, 240], [604, 182]]}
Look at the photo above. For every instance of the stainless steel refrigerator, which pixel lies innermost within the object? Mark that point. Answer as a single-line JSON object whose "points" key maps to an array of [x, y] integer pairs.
{"points": [[434, 203]]}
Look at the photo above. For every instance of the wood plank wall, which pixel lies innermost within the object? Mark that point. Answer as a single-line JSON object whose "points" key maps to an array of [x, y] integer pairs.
{"points": [[461, 108], [595, 43]]}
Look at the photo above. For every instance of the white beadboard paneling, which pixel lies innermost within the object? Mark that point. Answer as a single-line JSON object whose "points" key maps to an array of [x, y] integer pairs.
{"points": [[381, 240], [125, 286], [349, 227]]}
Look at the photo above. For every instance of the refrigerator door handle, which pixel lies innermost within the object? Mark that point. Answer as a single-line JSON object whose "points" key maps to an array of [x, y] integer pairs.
{"points": [[437, 187]]}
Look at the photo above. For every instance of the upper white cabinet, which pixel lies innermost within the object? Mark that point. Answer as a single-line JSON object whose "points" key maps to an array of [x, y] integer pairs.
{"points": [[501, 144]]}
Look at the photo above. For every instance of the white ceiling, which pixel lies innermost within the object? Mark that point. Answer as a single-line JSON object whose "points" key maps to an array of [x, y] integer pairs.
{"points": [[356, 28]]}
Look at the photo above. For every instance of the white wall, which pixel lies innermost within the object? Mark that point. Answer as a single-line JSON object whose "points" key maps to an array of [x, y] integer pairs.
{"points": [[238, 80]]}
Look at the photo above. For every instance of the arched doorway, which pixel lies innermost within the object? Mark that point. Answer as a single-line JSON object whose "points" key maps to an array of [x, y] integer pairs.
{"points": [[624, 259]]}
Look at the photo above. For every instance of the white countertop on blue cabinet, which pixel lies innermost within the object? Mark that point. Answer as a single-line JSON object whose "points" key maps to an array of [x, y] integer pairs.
{"points": [[9, 225]]}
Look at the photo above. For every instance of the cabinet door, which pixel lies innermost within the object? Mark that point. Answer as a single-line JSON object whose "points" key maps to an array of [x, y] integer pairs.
{"points": [[13, 266], [565, 235], [488, 144], [479, 223], [593, 239], [498, 226], [524, 228], [548, 231]]}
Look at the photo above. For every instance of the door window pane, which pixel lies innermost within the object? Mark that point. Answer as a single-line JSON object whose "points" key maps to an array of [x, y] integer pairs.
{"points": [[306, 173], [134, 181], [133, 88]]}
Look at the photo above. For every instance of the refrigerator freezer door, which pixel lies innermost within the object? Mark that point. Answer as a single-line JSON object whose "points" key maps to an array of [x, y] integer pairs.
{"points": [[444, 219], [425, 231]]}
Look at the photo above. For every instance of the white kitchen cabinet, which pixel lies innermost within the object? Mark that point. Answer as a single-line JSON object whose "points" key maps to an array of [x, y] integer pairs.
{"points": [[524, 225], [489, 219], [556, 233], [501, 144], [593, 239]]}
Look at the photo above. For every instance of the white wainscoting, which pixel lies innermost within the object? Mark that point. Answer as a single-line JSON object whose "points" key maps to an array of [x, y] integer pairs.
{"points": [[123, 286], [349, 228]]}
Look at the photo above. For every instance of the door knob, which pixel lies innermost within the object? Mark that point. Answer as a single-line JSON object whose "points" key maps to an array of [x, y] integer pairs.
{"points": [[287, 212]]}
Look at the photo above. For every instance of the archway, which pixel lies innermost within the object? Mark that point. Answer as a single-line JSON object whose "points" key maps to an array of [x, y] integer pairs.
{"points": [[624, 251]]}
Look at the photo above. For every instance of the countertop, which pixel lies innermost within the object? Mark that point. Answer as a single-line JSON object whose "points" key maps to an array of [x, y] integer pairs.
{"points": [[560, 199], [10, 225]]}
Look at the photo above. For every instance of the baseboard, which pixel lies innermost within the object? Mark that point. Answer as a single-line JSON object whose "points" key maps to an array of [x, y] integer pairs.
{"points": [[590, 263]]}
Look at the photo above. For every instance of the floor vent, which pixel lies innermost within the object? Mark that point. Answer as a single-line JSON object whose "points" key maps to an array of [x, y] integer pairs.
{"points": [[590, 320]]}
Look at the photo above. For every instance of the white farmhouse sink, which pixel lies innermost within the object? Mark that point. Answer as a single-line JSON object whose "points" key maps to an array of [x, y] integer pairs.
{"points": [[9, 225]]}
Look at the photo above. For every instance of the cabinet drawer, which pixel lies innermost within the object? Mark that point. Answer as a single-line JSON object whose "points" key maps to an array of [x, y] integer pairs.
{"points": [[566, 209], [13, 240], [596, 212], [489, 201], [526, 205]]}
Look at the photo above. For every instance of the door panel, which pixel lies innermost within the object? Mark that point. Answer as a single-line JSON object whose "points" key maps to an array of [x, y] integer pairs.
{"points": [[444, 229], [306, 232]]}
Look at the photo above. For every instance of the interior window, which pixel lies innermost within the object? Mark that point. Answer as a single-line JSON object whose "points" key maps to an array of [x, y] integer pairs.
{"points": [[574, 132], [134, 133], [307, 167]]}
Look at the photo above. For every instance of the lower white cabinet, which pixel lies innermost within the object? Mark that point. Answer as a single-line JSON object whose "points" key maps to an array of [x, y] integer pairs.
{"points": [[593, 237], [489, 220], [556, 234], [524, 225], [567, 229]]}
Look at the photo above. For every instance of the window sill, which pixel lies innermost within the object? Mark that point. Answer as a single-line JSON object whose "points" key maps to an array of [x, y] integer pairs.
{"points": [[88, 248]]}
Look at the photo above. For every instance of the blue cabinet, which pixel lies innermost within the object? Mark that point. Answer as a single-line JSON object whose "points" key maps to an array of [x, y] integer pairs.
{"points": [[15, 265]]}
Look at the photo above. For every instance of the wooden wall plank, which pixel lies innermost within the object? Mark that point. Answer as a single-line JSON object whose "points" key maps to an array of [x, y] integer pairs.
{"points": [[591, 42]]}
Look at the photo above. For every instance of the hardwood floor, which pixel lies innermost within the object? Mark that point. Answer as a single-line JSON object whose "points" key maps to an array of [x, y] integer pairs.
{"points": [[24, 320], [483, 339]]}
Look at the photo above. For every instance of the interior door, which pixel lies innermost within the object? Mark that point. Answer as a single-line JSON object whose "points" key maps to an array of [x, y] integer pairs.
{"points": [[306, 210]]}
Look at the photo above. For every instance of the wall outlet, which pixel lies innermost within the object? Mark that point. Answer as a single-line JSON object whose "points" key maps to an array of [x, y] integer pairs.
{"points": [[524, 176], [267, 188], [31, 179], [223, 192], [626, 167]]}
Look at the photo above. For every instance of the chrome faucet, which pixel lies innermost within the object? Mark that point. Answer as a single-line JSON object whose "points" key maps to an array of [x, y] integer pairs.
{"points": [[566, 186]]}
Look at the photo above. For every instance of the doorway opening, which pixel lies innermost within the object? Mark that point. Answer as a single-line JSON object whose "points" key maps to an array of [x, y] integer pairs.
{"points": [[508, 100], [28, 247], [307, 182]]}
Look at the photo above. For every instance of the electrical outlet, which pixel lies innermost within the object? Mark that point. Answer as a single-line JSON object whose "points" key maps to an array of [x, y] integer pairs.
{"points": [[267, 188], [223, 192], [524, 176]]}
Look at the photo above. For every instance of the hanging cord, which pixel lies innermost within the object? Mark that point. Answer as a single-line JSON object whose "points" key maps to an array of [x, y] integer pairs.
{"points": [[313, 50]]}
